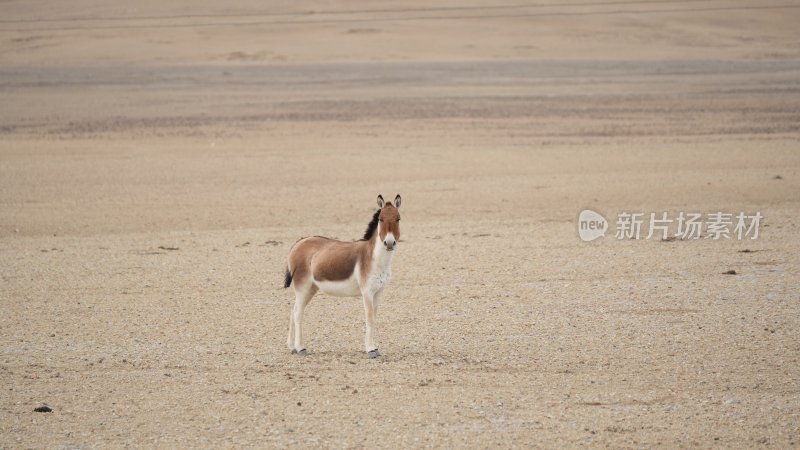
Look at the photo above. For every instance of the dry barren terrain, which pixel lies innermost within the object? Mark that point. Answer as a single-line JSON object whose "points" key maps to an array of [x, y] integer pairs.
{"points": [[159, 159]]}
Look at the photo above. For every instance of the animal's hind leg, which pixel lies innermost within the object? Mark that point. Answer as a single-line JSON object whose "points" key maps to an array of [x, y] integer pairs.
{"points": [[290, 338], [303, 295]]}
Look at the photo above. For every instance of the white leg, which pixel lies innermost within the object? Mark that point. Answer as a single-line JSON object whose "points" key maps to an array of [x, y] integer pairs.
{"points": [[290, 338], [370, 310], [376, 300], [302, 297]]}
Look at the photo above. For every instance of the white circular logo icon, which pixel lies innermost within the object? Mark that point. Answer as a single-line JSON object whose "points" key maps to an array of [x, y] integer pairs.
{"points": [[591, 225]]}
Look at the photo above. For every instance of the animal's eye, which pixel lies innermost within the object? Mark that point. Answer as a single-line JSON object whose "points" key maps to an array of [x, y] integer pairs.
{"points": [[398, 220]]}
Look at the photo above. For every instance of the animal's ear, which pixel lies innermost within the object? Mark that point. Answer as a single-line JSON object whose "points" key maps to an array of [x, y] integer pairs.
{"points": [[397, 201], [380, 201]]}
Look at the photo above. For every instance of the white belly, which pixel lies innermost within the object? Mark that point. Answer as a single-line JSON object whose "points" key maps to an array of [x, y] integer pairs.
{"points": [[343, 288]]}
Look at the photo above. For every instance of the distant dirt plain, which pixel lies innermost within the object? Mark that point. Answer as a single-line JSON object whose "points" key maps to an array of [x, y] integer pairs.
{"points": [[157, 162]]}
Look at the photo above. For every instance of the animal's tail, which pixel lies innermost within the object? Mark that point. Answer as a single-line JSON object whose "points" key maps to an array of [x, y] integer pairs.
{"points": [[287, 281]]}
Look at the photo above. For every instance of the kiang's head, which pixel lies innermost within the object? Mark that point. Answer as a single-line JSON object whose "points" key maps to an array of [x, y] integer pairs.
{"points": [[389, 222]]}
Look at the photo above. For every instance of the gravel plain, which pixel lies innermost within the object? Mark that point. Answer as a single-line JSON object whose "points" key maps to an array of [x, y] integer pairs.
{"points": [[156, 166]]}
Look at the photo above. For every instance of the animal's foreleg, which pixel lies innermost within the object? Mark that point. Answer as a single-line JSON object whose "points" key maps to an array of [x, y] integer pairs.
{"points": [[370, 311], [376, 300]]}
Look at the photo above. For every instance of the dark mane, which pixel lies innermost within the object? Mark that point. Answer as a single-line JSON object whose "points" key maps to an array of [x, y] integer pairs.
{"points": [[373, 225]]}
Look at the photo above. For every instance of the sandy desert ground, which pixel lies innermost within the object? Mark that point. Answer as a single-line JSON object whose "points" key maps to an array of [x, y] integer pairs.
{"points": [[158, 160]]}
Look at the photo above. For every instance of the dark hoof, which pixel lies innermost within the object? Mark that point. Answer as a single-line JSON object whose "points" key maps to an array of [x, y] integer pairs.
{"points": [[372, 354], [302, 352]]}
